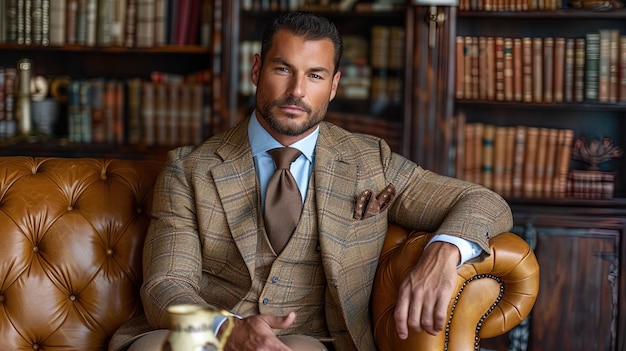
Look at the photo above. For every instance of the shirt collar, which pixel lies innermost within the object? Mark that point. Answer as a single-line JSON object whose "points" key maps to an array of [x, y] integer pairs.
{"points": [[261, 141]]}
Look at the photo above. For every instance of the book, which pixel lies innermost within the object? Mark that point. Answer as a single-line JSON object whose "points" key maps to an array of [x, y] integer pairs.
{"points": [[499, 54], [483, 67], [568, 84], [603, 65], [133, 114], [613, 65], [537, 69], [559, 70], [57, 16], [145, 23], [579, 69], [622, 69], [548, 69], [550, 163], [148, 113], [499, 159], [530, 162], [527, 70], [564, 154], [491, 68], [104, 20], [592, 66], [517, 70], [518, 161], [130, 23], [488, 155], [508, 69], [459, 87], [540, 161], [118, 23], [509, 160], [467, 77]]}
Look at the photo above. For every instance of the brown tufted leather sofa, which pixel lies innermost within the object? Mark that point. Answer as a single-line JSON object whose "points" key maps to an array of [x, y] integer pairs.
{"points": [[71, 235]]}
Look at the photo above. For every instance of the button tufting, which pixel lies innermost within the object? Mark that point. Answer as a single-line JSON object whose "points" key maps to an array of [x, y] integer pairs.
{"points": [[109, 252], [70, 208], [35, 249], [35, 346], [103, 176], [1, 298], [139, 210], [72, 297]]}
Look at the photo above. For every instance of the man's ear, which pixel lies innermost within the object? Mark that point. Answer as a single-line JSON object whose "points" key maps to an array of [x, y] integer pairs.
{"points": [[335, 84], [256, 69]]}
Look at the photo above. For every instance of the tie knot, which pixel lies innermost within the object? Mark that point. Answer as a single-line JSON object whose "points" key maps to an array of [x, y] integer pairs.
{"points": [[284, 156]]}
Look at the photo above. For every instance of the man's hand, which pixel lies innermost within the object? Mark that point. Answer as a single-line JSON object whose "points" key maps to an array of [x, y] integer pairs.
{"points": [[425, 293], [255, 333]]}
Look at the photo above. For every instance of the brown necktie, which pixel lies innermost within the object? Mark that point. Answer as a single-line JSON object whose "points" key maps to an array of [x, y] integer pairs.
{"points": [[283, 202]]}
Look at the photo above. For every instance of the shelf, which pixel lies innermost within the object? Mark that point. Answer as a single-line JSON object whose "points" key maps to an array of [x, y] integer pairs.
{"points": [[62, 148], [169, 49], [561, 13], [541, 106]]}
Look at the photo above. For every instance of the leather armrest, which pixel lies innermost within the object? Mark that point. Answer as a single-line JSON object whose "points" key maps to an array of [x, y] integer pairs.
{"points": [[493, 296]]}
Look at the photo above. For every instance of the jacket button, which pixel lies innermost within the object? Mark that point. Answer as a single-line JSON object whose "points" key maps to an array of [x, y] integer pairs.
{"points": [[266, 301], [274, 279]]}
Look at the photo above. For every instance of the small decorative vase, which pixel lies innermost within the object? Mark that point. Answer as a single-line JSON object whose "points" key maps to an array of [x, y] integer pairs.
{"points": [[192, 329]]}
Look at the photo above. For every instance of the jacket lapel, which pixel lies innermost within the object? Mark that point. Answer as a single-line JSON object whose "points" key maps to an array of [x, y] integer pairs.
{"points": [[237, 185]]}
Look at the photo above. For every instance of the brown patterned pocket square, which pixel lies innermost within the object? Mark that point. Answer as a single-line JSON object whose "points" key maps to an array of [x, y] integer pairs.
{"points": [[367, 205]]}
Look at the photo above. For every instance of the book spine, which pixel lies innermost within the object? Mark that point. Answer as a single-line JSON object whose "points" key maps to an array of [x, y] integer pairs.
{"points": [[518, 162], [559, 69], [564, 153], [508, 69], [499, 47], [613, 65], [491, 68], [622, 69], [148, 113], [537, 70], [144, 32], [530, 161], [483, 66], [517, 70], [71, 22], [460, 67], [592, 66], [130, 23], [467, 64], [550, 164], [603, 65], [580, 53], [548, 69], [568, 85], [488, 151], [527, 69]]}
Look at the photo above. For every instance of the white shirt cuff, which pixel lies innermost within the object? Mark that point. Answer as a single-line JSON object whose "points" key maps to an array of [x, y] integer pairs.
{"points": [[468, 249]]}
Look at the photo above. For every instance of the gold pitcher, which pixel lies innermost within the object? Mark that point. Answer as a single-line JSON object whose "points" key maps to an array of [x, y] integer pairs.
{"points": [[192, 328]]}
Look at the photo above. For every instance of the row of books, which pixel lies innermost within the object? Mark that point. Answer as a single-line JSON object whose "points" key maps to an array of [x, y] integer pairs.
{"points": [[138, 112], [542, 70], [510, 5], [519, 161], [126, 23], [321, 5]]}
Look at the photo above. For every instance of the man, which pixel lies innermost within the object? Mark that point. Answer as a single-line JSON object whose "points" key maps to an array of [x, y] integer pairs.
{"points": [[208, 243]]}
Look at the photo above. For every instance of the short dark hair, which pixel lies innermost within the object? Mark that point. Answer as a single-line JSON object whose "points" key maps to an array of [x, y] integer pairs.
{"points": [[306, 25]]}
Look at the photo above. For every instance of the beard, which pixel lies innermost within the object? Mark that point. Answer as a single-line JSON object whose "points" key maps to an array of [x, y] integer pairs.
{"points": [[314, 117]]}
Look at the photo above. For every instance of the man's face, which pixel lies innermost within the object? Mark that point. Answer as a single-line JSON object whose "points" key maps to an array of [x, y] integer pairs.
{"points": [[295, 83]]}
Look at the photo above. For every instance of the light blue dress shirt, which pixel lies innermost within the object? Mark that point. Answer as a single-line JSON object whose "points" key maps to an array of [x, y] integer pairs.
{"points": [[261, 141]]}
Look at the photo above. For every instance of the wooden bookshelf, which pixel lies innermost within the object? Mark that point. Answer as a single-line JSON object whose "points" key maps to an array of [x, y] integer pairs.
{"points": [[158, 47], [572, 235]]}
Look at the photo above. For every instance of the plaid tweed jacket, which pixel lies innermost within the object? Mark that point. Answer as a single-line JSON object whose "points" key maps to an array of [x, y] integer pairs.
{"points": [[201, 244]]}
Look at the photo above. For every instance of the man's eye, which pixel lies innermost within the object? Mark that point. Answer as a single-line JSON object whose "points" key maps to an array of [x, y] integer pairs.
{"points": [[315, 76], [282, 69]]}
